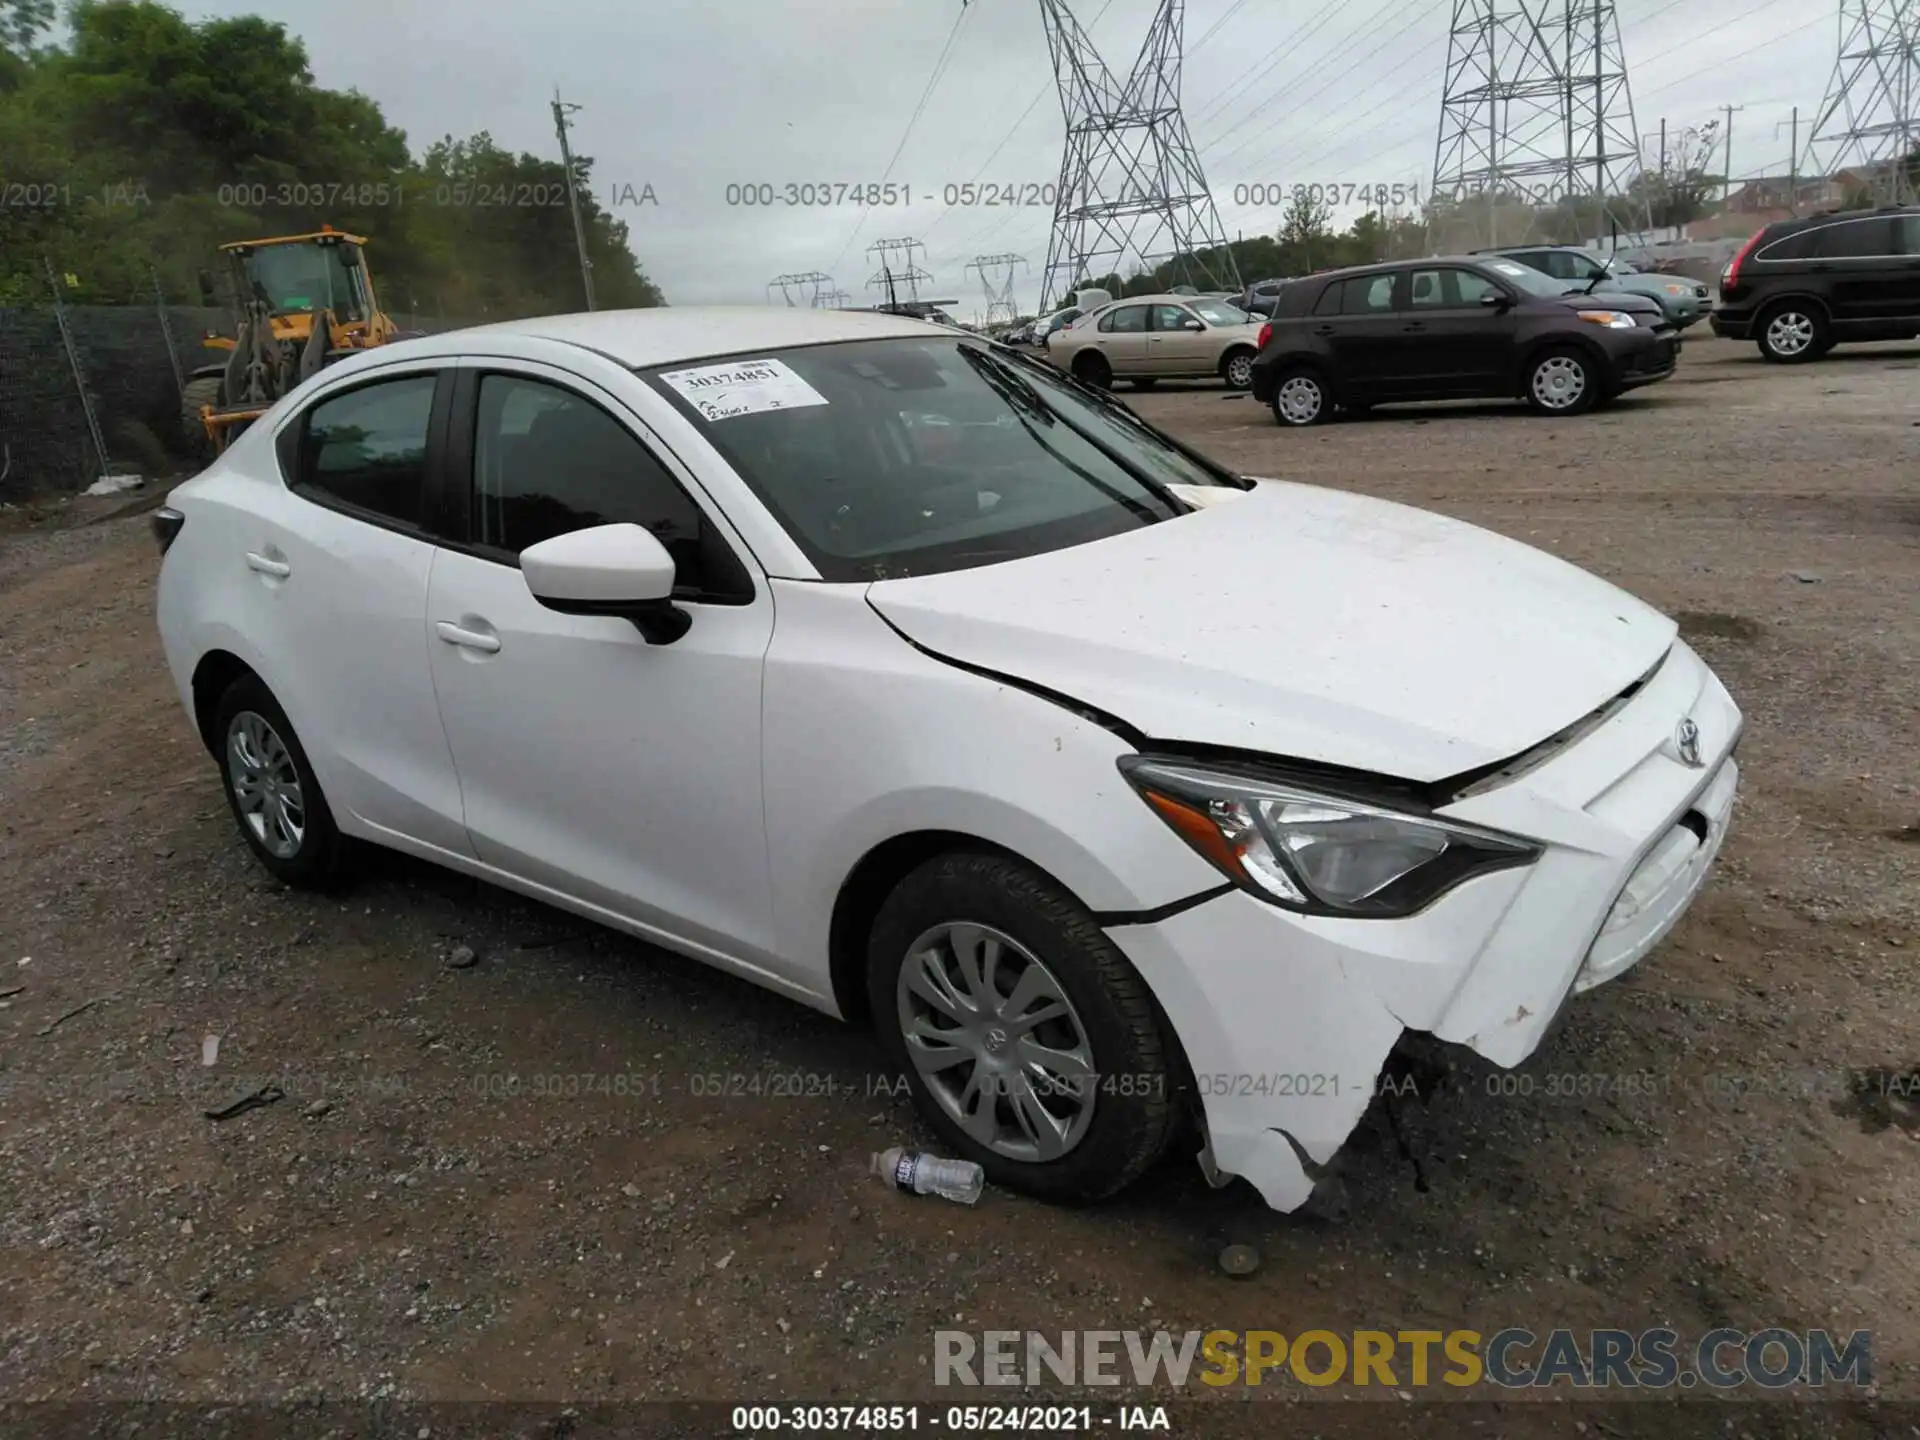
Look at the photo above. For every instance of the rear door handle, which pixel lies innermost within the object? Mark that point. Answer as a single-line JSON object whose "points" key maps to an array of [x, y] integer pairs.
{"points": [[1323, 329], [467, 639], [1413, 325], [279, 569]]}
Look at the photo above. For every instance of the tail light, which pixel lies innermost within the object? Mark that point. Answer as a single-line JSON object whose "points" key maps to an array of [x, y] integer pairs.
{"points": [[1732, 275], [1266, 334], [166, 524]]}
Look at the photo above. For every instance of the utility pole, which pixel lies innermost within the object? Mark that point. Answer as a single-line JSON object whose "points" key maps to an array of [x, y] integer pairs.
{"points": [[1793, 161], [560, 113], [1727, 181], [1666, 203]]}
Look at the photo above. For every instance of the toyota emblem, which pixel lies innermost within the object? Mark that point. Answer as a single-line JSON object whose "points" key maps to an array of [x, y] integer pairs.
{"points": [[1686, 739]]}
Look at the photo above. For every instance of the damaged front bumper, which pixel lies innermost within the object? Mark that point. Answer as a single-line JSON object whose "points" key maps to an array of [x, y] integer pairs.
{"points": [[1287, 1019]]}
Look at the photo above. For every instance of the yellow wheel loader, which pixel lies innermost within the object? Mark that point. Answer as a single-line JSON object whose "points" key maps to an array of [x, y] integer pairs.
{"points": [[304, 301]]}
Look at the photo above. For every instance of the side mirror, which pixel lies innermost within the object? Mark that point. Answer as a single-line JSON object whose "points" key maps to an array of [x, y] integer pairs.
{"points": [[1191, 325], [1494, 300], [618, 570]]}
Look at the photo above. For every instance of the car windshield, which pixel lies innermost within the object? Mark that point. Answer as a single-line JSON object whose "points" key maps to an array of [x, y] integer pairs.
{"points": [[911, 456], [1219, 312], [1525, 277]]}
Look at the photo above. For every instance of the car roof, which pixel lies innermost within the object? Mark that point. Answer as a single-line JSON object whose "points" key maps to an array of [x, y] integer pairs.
{"points": [[665, 335]]}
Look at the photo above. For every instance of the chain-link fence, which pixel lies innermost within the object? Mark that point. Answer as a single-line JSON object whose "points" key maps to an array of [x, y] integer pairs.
{"points": [[88, 390]]}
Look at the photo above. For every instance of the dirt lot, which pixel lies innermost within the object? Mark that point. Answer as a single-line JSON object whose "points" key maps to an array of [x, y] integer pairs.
{"points": [[400, 1226]]}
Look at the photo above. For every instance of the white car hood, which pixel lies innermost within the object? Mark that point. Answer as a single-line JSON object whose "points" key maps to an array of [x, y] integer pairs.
{"points": [[1303, 623]]}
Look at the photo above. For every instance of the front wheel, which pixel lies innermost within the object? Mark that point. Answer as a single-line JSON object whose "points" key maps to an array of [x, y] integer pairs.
{"points": [[1300, 398], [1031, 1045], [1562, 382]]}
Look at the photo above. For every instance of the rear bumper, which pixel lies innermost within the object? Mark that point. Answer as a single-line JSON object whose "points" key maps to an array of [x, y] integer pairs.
{"points": [[1288, 1019], [1732, 324]]}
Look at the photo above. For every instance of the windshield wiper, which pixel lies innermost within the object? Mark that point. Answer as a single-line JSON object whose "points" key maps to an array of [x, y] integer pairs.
{"points": [[1029, 406], [1156, 488]]}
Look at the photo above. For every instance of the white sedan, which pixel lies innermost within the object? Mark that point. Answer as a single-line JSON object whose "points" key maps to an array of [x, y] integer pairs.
{"points": [[898, 673]]}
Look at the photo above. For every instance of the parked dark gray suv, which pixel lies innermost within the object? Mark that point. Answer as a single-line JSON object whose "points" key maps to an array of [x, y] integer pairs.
{"points": [[1800, 287]]}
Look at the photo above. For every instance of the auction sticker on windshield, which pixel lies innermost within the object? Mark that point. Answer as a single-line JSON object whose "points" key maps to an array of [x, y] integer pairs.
{"points": [[745, 387]]}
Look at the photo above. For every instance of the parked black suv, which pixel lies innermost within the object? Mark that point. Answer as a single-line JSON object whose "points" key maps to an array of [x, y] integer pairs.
{"points": [[1800, 287], [1454, 328]]}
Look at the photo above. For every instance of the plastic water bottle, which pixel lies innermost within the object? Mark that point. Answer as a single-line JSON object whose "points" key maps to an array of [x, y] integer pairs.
{"points": [[929, 1174]]}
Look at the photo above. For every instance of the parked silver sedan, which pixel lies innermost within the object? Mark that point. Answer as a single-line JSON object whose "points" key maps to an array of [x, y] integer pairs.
{"points": [[1148, 338]]}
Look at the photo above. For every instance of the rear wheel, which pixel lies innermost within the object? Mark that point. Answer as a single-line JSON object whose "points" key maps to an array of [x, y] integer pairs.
{"points": [[1792, 334], [1092, 369], [1014, 1018], [1562, 382], [271, 788], [1300, 397], [1237, 369]]}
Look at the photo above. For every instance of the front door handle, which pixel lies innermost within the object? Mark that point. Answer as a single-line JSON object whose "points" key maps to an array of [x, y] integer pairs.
{"points": [[266, 565], [467, 639], [1413, 325]]}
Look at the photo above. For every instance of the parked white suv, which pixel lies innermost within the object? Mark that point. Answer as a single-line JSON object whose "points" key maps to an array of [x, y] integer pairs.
{"points": [[899, 673]]}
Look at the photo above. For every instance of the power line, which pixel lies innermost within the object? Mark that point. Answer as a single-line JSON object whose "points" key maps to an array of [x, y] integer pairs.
{"points": [[939, 69], [1044, 91], [1405, 8]]}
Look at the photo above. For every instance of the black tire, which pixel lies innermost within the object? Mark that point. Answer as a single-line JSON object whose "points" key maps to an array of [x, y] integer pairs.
{"points": [[316, 861], [1145, 382], [199, 391], [1300, 397], [1091, 368], [1131, 1123], [1238, 363], [1562, 380], [1791, 333]]}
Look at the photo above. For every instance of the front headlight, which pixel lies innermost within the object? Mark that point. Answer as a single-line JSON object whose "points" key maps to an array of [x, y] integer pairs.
{"points": [[1678, 290], [1612, 319], [1318, 853]]}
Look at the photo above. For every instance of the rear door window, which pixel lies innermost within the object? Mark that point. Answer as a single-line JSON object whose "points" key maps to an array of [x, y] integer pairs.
{"points": [[367, 449], [1368, 295], [1855, 239]]}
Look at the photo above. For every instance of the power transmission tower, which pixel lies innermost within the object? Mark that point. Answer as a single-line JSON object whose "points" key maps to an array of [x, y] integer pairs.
{"points": [[1537, 111], [560, 113], [785, 285], [1870, 120], [1131, 185], [890, 276], [1001, 308]]}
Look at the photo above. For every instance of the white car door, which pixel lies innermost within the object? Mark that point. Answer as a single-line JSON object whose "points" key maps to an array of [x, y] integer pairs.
{"points": [[339, 558], [591, 762]]}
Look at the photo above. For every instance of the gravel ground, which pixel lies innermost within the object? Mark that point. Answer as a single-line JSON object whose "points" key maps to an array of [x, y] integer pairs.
{"points": [[423, 1217]]}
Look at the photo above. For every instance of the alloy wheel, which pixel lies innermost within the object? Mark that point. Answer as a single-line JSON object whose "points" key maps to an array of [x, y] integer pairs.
{"points": [[1240, 372], [266, 785], [1790, 333], [997, 1042], [1558, 382], [1299, 400]]}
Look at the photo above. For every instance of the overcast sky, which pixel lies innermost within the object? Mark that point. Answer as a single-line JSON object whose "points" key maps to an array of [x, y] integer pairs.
{"points": [[690, 97]]}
